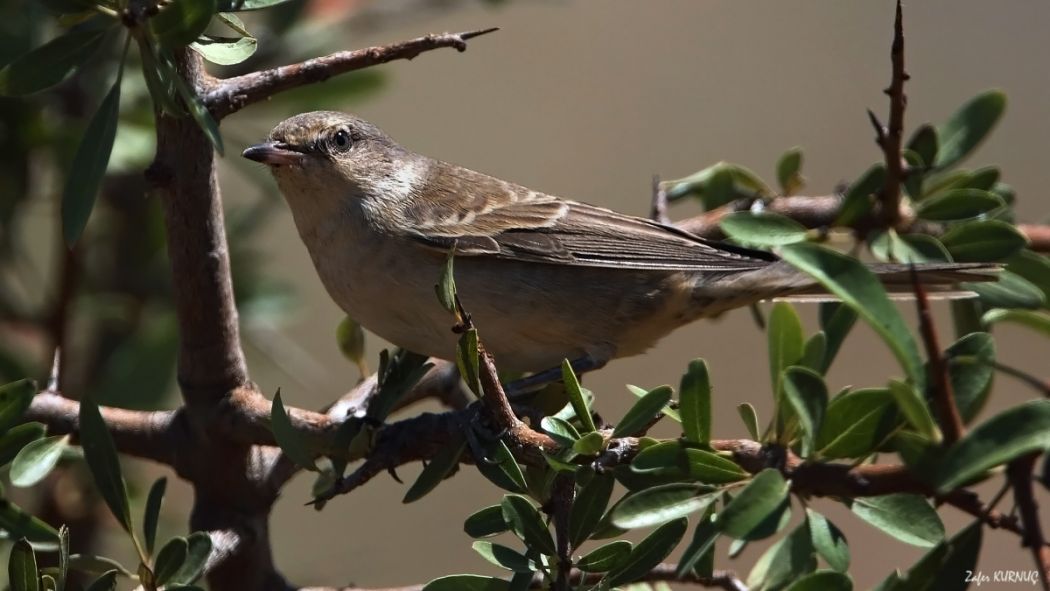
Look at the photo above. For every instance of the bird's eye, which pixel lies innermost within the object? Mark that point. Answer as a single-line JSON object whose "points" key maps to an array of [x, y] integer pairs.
{"points": [[341, 140]]}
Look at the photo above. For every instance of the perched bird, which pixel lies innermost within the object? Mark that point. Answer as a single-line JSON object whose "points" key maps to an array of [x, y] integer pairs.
{"points": [[544, 278]]}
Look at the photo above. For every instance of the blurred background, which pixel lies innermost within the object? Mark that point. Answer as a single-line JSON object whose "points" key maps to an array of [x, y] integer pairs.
{"points": [[585, 99]]}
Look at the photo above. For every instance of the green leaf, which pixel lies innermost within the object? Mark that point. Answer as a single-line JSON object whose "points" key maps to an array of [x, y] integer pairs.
{"points": [[89, 563], [814, 352], [913, 405], [857, 201], [151, 515], [924, 143], [19, 524], [961, 134], [750, 417], [197, 109], [701, 547], [106, 582], [857, 422], [941, 566], [48, 64], [446, 287], [786, 341], [89, 165], [576, 398], [288, 439], [180, 22], [526, 523], [16, 438], [21, 567], [908, 518], [642, 413], [829, 542], [762, 229], [588, 508], [101, 456], [660, 504], [1010, 290], [984, 240], [224, 51], [37, 459], [787, 560], [648, 553], [789, 171], [604, 558], [822, 580], [440, 466], [502, 469], [158, 70], [808, 395], [1038, 321], [858, 288], [467, 583], [197, 552], [15, 398], [1033, 267], [679, 462], [560, 430], [756, 512], [504, 557], [1012, 433], [351, 340], [468, 362], [694, 402], [667, 411], [590, 444], [718, 184], [486, 522], [959, 204], [971, 370], [170, 559], [836, 320]]}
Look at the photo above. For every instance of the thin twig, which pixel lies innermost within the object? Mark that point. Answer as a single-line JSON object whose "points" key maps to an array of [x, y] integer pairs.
{"points": [[943, 396], [1019, 472], [230, 95]]}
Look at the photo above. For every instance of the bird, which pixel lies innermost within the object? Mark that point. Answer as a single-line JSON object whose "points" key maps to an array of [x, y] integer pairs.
{"points": [[545, 279]]}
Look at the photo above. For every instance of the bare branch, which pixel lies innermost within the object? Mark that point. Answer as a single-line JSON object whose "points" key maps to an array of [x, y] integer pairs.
{"points": [[184, 174], [943, 396], [228, 96], [149, 435], [891, 141]]}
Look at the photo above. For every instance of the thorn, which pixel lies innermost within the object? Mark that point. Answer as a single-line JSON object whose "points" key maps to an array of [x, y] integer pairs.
{"points": [[52, 379], [477, 33], [880, 131], [393, 474]]}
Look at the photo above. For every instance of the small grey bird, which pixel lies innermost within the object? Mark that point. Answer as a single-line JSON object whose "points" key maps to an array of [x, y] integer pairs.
{"points": [[544, 278]]}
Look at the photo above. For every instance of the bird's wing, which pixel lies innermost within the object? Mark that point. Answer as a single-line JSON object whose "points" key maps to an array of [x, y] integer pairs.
{"points": [[508, 221]]}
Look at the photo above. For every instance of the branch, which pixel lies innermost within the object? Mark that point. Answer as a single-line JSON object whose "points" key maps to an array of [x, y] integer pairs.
{"points": [[823, 210], [943, 396], [1019, 472], [890, 139], [149, 435], [210, 360], [228, 96]]}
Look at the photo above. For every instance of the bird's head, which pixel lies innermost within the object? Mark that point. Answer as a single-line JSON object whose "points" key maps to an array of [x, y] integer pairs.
{"points": [[326, 159]]}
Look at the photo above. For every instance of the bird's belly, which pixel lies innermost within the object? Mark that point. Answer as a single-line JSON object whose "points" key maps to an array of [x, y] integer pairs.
{"points": [[529, 316]]}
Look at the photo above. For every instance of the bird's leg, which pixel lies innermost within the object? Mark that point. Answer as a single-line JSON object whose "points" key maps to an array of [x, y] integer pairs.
{"points": [[538, 380]]}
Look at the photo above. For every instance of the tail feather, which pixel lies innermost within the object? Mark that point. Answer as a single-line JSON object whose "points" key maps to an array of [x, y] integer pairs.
{"points": [[781, 281]]}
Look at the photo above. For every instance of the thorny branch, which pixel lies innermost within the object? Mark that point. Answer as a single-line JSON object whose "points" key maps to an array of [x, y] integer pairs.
{"points": [[227, 96], [943, 395], [890, 140]]}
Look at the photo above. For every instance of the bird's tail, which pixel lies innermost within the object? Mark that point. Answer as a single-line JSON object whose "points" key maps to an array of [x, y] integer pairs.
{"points": [[781, 281]]}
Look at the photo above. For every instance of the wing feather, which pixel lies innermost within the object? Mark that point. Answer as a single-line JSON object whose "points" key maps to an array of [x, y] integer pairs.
{"points": [[507, 221]]}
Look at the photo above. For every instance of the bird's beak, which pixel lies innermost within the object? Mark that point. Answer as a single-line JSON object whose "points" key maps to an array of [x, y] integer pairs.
{"points": [[274, 154]]}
